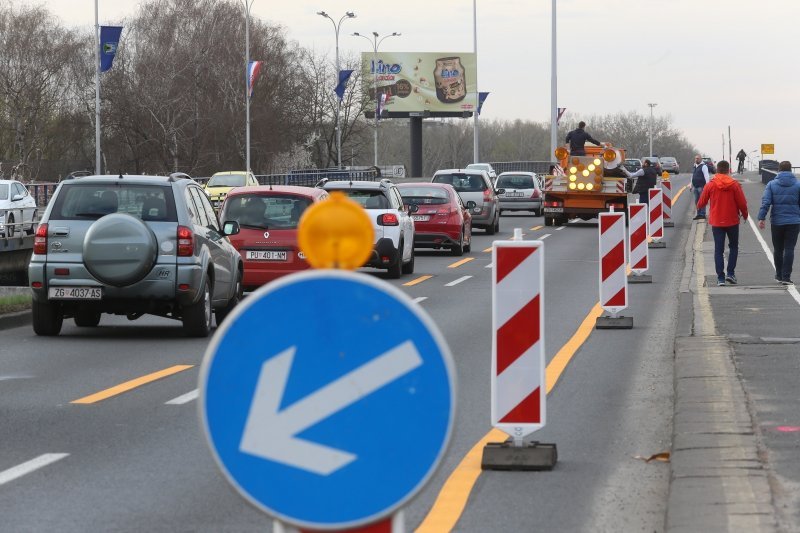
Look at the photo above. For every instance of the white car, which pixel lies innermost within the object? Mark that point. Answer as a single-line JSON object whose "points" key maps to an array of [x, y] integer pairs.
{"points": [[486, 167], [17, 209], [391, 220]]}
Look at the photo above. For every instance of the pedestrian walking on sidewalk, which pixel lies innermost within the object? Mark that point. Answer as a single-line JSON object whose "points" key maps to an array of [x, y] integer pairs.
{"points": [[741, 156], [782, 194], [727, 202], [700, 177], [648, 177]]}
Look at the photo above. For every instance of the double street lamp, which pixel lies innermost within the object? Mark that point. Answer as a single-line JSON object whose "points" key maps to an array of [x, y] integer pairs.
{"points": [[336, 27], [651, 128], [376, 42]]}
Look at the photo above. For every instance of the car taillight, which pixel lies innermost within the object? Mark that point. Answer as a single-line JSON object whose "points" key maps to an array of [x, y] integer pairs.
{"points": [[535, 193], [443, 211], [388, 219], [554, 204], [185, 242], [40, 240], [487, 194]]}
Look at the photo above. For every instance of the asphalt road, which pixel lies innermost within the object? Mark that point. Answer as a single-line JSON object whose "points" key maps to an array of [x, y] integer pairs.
{"points": [[138, 462]]}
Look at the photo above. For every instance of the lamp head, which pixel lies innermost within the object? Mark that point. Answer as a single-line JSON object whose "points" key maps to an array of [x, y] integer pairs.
{"points": [[350, 14], [375, 34], [322, 13], [356, 34]]}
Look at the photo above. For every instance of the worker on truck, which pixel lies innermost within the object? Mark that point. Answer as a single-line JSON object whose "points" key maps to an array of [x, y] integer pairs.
{"points": [[577, 138], [648, 177]]}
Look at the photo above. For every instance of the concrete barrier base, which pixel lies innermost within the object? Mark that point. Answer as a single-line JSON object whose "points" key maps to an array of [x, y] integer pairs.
{"points": [[506, 456], [610, 322]]}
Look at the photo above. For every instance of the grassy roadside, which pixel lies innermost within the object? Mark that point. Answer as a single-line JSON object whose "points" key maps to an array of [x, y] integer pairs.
{"points": [[18, 302]]}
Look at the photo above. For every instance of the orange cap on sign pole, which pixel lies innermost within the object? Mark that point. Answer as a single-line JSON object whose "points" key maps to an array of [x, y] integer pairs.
{"points": [[336, 233]]}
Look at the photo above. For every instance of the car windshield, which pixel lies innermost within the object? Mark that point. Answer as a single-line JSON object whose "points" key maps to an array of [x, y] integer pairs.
{"points": [[227, 180], [667, 160], [91, 201], [462, 182], [4, 191], [424, 195], [276, 211], [371, 199], [515, 181]]}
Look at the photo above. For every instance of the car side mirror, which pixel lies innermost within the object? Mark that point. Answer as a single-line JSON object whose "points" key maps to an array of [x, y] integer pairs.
{"points": [[413, 208], [231, 227], [500, 191], [471, 205], [17, 197]]}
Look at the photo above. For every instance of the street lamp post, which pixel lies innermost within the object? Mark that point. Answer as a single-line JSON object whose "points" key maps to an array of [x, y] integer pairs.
{"points": [[476, 156], [553, 88], [336, 26], [651, 128], [247, 6], [375, 42]]}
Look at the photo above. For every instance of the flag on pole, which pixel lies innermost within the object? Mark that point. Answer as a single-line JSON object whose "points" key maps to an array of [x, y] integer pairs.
{"points": [[381, 104], [253, 68], [561, 111], [481, 100], [109, 40], [344, 75]]}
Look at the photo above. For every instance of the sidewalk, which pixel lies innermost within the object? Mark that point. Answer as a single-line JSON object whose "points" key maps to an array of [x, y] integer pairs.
{"points": [[737, 365]]}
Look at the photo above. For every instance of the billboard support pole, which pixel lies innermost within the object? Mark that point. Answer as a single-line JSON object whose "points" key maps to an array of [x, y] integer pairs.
{"points": [[553, 90], [476, 137], [416, 146]]}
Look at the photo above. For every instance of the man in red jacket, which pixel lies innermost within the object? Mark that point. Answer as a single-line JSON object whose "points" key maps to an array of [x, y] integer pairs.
{"points": [[727, 203]]}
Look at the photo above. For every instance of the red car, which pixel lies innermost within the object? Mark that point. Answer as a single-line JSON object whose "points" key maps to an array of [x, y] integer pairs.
{"points": [[267, 240], [442, 220]]}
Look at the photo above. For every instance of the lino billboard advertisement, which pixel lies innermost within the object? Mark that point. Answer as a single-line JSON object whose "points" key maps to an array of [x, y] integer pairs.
{"points": [[415, 82]]}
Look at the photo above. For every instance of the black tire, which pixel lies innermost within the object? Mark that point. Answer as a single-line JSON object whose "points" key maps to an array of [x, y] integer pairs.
{"points": [[497, 225], [491, 229], [548, 221], [458, 249], [197, 316], [221, 313], [468, 246], [32, 229], [396, 269], [10, 227], [408, 268], [87, 319], [47, 318]]}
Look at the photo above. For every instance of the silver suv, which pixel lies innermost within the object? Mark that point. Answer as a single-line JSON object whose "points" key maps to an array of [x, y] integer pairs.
{"points": [[133, 245], [475, 186]]}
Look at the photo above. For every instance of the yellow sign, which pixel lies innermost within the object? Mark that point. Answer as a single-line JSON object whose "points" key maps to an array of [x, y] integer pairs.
{"points": [[336, 233], [422, 81], [767, 148]]}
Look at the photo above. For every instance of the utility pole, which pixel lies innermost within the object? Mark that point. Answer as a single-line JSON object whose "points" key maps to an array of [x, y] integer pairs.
{"points": [[97, 166], [553, 88], [651, 128], [475, 137], [247, 6]]}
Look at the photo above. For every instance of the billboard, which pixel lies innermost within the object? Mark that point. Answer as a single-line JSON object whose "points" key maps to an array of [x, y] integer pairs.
{"points": [[421, 81]]}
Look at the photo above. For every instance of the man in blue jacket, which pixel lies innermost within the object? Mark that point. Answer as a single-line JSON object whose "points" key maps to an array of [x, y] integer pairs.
{"points": [[700, 177], [783, 195]]}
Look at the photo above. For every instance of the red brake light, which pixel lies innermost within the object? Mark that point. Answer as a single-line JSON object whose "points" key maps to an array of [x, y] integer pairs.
{"points": [[443, 211], [388, 219], [535, 193], [554, 204], [40, 240], [185, 242], [487, 194]]}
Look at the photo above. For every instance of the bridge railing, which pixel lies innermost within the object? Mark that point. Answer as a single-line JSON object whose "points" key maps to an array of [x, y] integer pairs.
{"points": [[24, 220]]}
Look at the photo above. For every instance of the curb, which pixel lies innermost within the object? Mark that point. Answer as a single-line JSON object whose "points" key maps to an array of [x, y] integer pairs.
{"points": [[15, 320], [718, 481]]}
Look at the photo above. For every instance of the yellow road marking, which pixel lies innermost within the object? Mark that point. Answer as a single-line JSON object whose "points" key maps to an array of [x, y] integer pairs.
{"points": [[417, 281], [489, 249], [536, 228], [132, 384], [462, 262], [452, 499]]}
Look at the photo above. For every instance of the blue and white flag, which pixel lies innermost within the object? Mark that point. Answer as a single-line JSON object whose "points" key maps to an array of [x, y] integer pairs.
{"points": [[109, 40], [344, 75], [481, 99], [561, 111]]}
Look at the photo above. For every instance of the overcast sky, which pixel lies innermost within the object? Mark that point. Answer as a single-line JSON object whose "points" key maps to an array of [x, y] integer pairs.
{"points": [[709, 64]]}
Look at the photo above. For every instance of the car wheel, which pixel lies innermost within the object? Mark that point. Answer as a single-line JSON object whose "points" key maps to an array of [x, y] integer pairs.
{"points": [[458, 249], [396, 269], [497, 225], [408, 268], [548, 221], [468, 244], [221, 313], [87, 319], [491, 229], [197, 316], [47, 318], [32, 229], [10, 228]]}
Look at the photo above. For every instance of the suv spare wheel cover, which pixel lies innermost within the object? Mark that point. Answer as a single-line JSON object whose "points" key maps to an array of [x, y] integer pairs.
{"points": [[119, 249]]}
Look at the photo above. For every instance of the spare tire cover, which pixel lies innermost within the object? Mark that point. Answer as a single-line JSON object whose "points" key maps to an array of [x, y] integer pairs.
{"points": [[119, 249]]}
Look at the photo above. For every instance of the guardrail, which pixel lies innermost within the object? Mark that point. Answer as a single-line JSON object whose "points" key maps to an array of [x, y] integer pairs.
{"points": [[24, 221], [540, 167]]}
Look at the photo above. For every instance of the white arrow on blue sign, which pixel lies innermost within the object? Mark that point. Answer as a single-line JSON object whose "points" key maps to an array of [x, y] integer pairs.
{"points": [[327, 398]]}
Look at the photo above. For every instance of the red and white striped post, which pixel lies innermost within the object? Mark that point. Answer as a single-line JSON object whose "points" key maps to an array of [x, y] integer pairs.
{"points": [[518, 357], [666, 189], [613, 277], [637, 238], [656, 219]]}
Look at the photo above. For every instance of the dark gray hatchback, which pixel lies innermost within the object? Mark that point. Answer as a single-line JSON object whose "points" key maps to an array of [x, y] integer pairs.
{"points": [[132, 245]]}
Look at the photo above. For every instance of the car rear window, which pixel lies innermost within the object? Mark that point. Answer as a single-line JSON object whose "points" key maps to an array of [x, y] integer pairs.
{"points": [[3, 191], [371, 199], [276, 211], [462, 182], [515, 182], [227, 180], [91, 201], [424, 195]]}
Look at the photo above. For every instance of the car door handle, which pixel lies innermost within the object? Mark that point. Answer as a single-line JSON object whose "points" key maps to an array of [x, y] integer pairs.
{"points": [[61, 232]]}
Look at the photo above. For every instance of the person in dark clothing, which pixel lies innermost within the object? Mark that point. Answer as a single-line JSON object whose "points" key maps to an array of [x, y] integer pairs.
{"points": [[741, 156], [648, 177], [577, 138], [783, 195], [700, 177]]}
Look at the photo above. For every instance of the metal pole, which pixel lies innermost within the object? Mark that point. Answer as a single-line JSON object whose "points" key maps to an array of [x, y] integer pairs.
{"points": [[247, 78], [96, 89], [651, 128], [475, 137], [348, 14], [553, 89], [730, 147]]}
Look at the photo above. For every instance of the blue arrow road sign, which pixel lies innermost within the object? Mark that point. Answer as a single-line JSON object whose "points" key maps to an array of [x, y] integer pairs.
{"points": [[327, 398]]}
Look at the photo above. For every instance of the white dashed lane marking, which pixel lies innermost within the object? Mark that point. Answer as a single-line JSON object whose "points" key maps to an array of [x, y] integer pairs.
{"points": [[30, 466], [184, 398], [456, 282], [420, 299], [543, 237]]}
